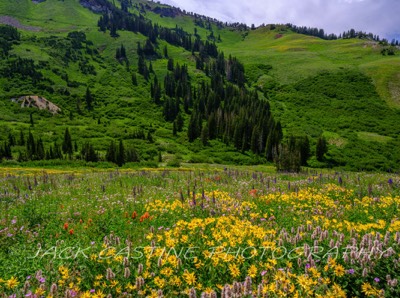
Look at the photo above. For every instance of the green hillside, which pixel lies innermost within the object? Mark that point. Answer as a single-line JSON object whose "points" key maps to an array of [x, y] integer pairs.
{"points": [[203, 108]]}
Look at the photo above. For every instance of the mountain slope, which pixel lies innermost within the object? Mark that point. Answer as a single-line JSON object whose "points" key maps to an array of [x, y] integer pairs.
{"points": [[293, 71]]}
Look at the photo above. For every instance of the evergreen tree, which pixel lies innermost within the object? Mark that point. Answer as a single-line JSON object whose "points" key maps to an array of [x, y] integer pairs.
{"points": [[123, 52], [7, 151], [254, 143], [57, 151], [89, 99], [179, 122], [149, 49], [21, 157], [170, 65], [111, 153], [305, 151], [134, 79], [288, 159], [118, 54], [21, 138], [204, 135], [67, 143], [165, 52], [120, 156], [31, 147], [159, 156], [11, 139], [88, 153], [149, 137], [40, 153], [132, 155], [156, 90], [193, 129], [321, 149]]}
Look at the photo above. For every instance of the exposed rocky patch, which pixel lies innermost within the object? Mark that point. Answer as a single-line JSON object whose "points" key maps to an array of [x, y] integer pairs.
{"points": [[7, 20], [170, 12], [97, 6], [34, 101]]}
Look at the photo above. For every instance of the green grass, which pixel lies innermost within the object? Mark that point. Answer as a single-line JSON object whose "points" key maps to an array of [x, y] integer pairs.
{"points": [[373, 137], [295, 57], [335, 139], [50, 16]]}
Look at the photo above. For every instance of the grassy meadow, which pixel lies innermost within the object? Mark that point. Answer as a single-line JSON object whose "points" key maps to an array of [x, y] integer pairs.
{"points": [[210, 232]]}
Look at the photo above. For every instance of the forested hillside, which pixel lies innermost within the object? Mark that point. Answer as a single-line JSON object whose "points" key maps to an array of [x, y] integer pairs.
{"points": [[140, 83]]}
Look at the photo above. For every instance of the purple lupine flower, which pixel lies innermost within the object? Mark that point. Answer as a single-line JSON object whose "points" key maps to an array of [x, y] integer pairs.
{"points": [[350, 271], [42, 280], [377, 279], [92, 290], [390, 181]]}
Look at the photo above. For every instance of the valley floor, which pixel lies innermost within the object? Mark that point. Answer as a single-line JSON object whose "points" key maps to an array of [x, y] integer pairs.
{"points": [[213, 231]]}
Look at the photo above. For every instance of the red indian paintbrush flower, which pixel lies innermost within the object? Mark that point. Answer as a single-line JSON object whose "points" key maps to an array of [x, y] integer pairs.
{"points": [[146, 215]]}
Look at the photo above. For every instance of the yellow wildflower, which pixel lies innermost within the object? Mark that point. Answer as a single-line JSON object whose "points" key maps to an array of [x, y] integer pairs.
{"points": [[189, 278], [252, 272], [339, 270], [234, 270], [12, 283]]}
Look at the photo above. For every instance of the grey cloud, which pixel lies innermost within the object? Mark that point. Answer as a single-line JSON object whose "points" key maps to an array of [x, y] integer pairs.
{"points": [[335, 16]]}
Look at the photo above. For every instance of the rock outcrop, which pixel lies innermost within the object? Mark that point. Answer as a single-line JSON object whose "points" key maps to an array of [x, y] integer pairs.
{"points": [[34, 101]]}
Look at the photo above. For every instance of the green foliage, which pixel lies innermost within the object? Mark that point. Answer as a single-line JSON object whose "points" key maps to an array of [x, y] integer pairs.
{"points": [[321, 149]]}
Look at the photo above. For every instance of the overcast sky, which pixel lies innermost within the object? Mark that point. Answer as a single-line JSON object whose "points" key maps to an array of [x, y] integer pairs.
{"points": [[334, 16]]}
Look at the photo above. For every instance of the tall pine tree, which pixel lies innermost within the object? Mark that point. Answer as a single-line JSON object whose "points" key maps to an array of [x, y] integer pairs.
{"points": [[67, 143]]}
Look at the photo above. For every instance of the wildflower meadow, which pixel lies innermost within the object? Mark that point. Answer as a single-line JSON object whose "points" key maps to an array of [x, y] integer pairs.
{"points": [[198, 233]]}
